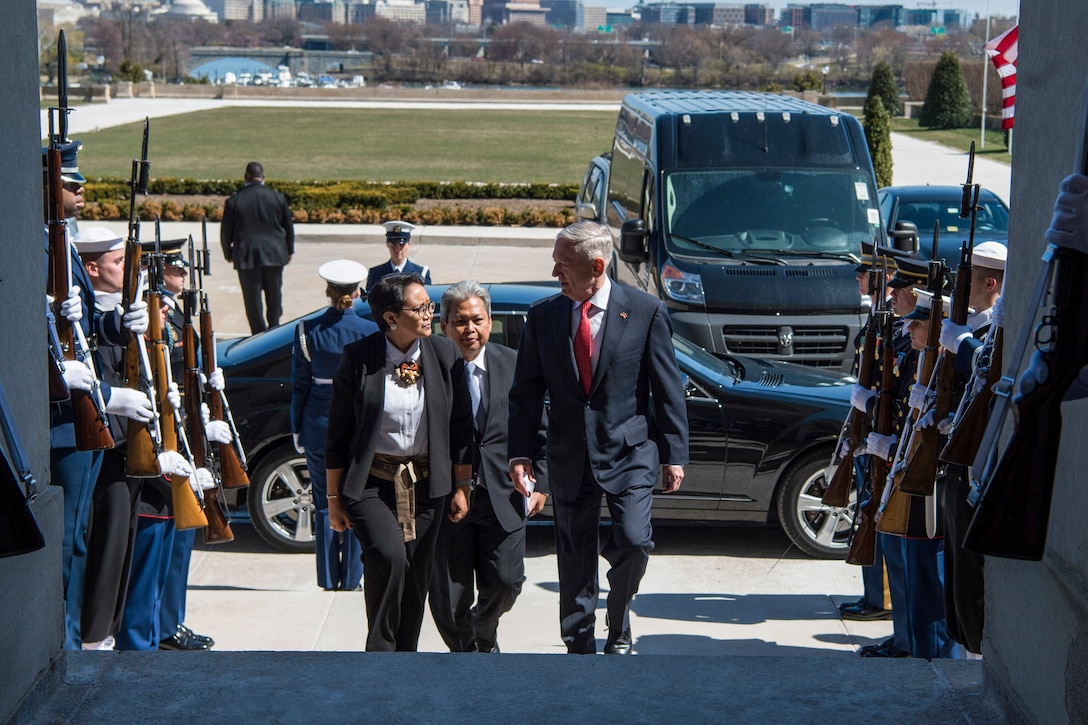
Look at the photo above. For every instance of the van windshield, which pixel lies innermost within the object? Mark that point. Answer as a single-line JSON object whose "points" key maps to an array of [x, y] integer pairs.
{"points": [[801, 212]]}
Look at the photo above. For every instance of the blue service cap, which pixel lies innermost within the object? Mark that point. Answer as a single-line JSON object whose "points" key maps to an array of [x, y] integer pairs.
{"points": [[69, 165], [398, 231]]}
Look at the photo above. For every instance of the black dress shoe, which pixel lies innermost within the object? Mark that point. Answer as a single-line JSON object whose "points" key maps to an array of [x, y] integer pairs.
{"points": [[482, 645], [885, 649], [182, 642], [182, 629], [621, 645], [864, 612], [850, 605]]}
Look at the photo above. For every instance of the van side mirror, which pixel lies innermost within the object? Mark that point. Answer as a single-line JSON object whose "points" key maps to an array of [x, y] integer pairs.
{"points": [[904, 236], [633, 242]]}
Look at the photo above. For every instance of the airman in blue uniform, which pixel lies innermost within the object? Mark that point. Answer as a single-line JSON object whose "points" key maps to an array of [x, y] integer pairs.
{"points": [[398, 237]]}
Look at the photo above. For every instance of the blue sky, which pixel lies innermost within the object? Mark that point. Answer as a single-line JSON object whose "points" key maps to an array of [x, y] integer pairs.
{"points": [[996, 7]]}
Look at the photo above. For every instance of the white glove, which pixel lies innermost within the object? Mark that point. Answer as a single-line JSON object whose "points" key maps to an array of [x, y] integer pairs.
{"points": [[77, 376], [926, 421], [952, 335], [298, 446], [1035, 375], [172, 463], [129, 403], [72, 308], [859, 396], [918, 397], [202, 480], [173, 396], [879, 445], [215, 431], [135, 320], [215, 381], [1069, 226], [997, 314], [979, 385]]}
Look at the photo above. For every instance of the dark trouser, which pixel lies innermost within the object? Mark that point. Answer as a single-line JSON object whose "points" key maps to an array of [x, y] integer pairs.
{"points": [[398, 573], [254, 282], [76, 472], [964, 582], [627, 551], [176, 584], [894, 555], [925, 600], [872, 577], [112, 537], [475, 547], [338, 554]]}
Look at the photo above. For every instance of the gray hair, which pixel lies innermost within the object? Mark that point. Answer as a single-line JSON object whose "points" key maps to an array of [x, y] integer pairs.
{"points": [[458, 293], [590, 240]]}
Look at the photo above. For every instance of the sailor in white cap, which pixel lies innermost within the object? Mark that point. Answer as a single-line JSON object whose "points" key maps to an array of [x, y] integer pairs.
{"points": [[987, 278], [319, 342], [398, 238]]}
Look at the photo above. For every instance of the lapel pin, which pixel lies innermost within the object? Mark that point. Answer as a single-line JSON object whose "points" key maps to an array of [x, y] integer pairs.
{"points": [[623, 315]]}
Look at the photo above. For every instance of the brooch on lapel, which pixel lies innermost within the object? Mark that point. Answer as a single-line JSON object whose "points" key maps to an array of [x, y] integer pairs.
{"points": [[409, 372], [623, 315]]}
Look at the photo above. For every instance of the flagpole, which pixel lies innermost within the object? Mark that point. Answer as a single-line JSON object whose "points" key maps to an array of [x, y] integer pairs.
{"points": [[985, 73]]}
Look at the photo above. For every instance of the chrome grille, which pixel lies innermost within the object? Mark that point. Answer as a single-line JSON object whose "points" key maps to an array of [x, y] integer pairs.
{"points": [[818, 345]]}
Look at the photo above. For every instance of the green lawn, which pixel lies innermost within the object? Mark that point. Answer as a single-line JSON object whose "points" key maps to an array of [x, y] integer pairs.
{"points": [[958, 138], [367, 144]]}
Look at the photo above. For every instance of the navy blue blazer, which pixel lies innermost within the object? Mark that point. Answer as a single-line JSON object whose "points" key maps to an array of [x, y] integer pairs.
{"points": [[634, 419], [384, 270]]}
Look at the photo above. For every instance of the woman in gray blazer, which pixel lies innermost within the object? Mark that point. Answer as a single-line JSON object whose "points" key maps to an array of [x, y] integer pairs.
{"points": [[399, 446]]}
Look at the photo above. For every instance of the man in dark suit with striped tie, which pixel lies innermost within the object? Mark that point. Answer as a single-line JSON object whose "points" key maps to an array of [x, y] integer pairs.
{"points": [[488, 545], [603, 355]]}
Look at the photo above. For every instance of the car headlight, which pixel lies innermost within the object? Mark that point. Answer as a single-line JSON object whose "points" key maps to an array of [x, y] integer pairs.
{"points": [[685, 287]]}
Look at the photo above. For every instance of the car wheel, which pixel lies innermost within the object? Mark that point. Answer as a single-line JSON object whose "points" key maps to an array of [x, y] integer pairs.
{"points": [[815, 528], [280, 502]]}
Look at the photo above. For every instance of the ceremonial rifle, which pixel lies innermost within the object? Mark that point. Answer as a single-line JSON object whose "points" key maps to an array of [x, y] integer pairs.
{"points": [[188, 513], [218, 529], [920, 476], [92, 430], [853, 431], [863, 545], [58, 389], [893, 515], [232, 457], [19, 532], [143, 441], [1014, 489]]}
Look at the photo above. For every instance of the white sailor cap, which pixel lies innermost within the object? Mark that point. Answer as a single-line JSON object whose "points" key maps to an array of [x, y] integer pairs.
{"points": [[924, 308], [342, 272], [92, 240], [991, 255], [398, 231]]}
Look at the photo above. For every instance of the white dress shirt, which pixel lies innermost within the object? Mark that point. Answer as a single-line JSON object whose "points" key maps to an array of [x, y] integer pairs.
{"points": [[598, 304], [403, 428]]}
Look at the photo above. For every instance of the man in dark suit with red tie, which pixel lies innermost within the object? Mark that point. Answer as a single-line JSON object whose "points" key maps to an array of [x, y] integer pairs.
{"points": [[603, 356]]}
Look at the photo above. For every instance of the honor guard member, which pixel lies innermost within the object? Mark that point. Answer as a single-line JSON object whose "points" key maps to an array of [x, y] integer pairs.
{"points": [[74, 470], [902, 300], [964, 589], [398, 238], [319, 343], [875, 603], [923, 596]]}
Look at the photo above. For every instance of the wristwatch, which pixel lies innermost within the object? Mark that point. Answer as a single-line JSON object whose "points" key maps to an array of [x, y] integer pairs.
{"points": [[470, 482]]}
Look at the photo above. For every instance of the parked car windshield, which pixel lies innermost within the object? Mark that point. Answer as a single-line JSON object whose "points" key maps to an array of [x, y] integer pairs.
{"points": [[795, 211], [992, 218]]}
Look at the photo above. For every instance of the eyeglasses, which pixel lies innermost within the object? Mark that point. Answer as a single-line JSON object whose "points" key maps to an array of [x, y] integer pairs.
{"points": [[423, 310]]}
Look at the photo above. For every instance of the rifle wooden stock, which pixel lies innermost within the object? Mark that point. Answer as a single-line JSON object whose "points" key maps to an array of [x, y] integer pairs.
{"points": [[231, 471], [1013, 512], [218, 529], [91, 429], [19, 532], [842, 481], [966, 437], [141, 458], [863, 545], [187, 511]]}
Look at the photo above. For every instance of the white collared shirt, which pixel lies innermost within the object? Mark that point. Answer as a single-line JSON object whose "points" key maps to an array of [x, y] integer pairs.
{"points": [[403, 430], [598, 304]]}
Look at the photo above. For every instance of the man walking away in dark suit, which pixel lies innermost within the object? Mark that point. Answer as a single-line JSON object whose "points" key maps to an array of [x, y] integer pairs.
{"points": [[258, 237], [603, 355], [488, 545]]}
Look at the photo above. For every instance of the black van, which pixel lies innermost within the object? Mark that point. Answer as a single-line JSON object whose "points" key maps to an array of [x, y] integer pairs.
{"points": [[745, 213]]}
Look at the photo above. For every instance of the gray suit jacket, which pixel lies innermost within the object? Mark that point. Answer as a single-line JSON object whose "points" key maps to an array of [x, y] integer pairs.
{"points": [[357, 406]]}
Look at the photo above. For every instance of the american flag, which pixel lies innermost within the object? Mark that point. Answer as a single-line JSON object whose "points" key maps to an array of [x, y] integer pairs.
{"points": [[1002, 52]]}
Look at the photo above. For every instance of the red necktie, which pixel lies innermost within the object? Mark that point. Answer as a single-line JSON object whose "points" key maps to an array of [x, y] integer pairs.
{"points": [[583, 344]]}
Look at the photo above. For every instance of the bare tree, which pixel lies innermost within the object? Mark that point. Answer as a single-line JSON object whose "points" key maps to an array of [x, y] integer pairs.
{"points": [[773, 46], [384, 39]]}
